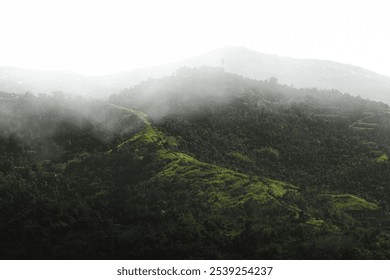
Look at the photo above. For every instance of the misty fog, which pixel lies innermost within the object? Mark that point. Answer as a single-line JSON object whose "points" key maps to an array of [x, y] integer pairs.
{"points": [[238, 60]]}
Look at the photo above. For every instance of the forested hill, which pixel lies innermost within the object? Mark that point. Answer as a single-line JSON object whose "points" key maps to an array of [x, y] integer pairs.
{"points": [[318, 139], [208, 87], [203, 164], [291, 71], [239, 60]]}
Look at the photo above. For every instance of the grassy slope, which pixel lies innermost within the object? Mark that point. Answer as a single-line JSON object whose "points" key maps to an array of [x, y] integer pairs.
{"points": [[223, 188], [348, 202], [185, 168]]}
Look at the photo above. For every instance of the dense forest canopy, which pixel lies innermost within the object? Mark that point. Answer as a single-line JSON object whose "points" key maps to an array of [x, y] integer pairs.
{"points": [[201, 164]]}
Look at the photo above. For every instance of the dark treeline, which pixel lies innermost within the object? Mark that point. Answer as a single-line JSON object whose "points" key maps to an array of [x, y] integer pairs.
{"points": [[228, 168]]}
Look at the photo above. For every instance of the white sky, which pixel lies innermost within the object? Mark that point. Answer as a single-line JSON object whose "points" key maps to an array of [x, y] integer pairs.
{"points": [[106, 36]]}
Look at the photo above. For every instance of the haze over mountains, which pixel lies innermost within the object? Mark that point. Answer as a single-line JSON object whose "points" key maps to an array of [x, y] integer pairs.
{"points": [[239, 60]]}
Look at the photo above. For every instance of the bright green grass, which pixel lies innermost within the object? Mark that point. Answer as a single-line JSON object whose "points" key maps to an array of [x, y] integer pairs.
{"points": [[315, 222], [149, 134], [348, 202], [224, 187], [382, 158]]}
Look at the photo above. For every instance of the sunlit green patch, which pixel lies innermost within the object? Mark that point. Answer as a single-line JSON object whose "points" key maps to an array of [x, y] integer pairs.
{"points": [[382, 158], [222, 186], [348, 202], [315, 222]]}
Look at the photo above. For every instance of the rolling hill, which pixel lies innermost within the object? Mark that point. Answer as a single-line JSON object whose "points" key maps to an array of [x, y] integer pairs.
{"points": [[309, 73]]}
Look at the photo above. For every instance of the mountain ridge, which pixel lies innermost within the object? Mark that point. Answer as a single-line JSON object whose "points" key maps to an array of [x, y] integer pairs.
{"points": [[307, 73]]}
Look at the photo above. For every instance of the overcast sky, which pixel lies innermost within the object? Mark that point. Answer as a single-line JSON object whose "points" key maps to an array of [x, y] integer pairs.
{"points": [[99, 37]]}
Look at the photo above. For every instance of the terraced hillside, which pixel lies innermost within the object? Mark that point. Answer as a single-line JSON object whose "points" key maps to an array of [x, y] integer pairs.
{"points": [[372, 121]]}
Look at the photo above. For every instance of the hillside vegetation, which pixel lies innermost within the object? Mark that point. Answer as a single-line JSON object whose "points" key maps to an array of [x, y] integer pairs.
{"points": [[203, 164]]}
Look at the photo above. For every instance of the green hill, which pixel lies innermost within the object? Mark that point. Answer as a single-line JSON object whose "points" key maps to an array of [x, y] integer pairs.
{"points": [[202, 165]]}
